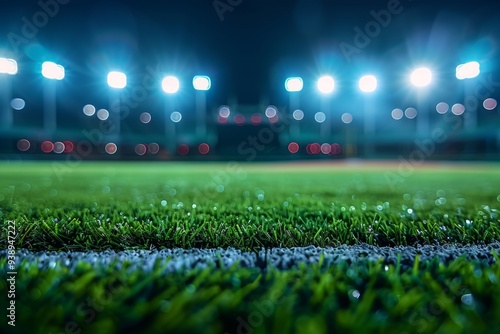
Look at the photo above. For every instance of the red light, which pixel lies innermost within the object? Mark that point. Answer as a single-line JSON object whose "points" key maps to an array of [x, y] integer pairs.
{"points": [[315, 148], [274, 119], [23, 145], [239, 119], [204, 148], [183, 149], [111, 148], [222, 120], [336, 148], [47, 146], [293, 147], [68, 146], [256, 119]]}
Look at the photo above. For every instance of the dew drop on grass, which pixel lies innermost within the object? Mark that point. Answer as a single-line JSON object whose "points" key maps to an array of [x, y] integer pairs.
{"points": [[260, 197], [352, 209], [407, 197], [285, 204], [106, 189], [467, 299], [172, 192], [220, 188], [163, 203], [386, 268], [410, 211], [193, 206], [380, 207], [356, 294]]}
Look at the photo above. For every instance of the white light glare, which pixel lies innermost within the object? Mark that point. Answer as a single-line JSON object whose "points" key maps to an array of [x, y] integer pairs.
{"points": [[170, 85], [421, 77], [294, 84], [468, 70], [8, 66], [52, 71], [202, 82], [326, 84], [117, 80], [368, 83]]}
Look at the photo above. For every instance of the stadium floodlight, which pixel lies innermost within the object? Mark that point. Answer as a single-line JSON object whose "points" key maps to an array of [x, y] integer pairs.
{"points": [[468, 70], [368, 83], [117, 80], [421, 77], [326, 84], [53, 71], [170, 85], [8, 66], [202, 82], [294, 84]]}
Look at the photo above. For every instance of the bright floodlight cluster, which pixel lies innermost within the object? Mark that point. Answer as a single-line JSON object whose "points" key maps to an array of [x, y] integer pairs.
{"points": [[368, 83], [8, 66], [202, 82], [468, 70], [117, 80], [326, 84], [421, 77], [294, 84], [53, 71], [170, 84]]}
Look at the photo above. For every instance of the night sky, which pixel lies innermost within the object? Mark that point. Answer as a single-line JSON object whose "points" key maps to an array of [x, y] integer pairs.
{"points": [[258, 43]]}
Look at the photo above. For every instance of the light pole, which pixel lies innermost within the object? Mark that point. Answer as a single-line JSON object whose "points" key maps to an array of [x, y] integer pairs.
{"points": [[117, 81], [326, 86], [201, 83], [294, 86], [8, 68], [422, 78], [170, 85], [368, 84], [53, 72]]}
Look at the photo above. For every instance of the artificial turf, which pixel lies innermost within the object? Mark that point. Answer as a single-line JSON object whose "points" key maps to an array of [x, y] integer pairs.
{"points": [[96, 206]]}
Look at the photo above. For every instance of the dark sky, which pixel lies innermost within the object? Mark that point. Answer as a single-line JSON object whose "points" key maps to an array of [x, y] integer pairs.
{"points": [[257, 44]]}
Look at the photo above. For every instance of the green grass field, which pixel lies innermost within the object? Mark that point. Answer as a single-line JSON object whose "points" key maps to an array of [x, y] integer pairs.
{"points": [[122, 206]]}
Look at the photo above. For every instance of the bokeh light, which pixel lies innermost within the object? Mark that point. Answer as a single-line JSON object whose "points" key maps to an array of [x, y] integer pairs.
{"points": [[145, 117], [326, 148], [411, 113], [103, 114], [271, 111], [47, 146], [23, 145], [154, 148], [293, 147], [53, 71], [224, 111], [111, 148], [59, 147], [89, 110], [397, 114], [320, 117], [176, 117], [490, 104], [442, 108], [204, 148], [458, 109], [347, 118], [256, 119], [298, 115], [17, 104], [183, 149], [202, 82], [140, 149]]}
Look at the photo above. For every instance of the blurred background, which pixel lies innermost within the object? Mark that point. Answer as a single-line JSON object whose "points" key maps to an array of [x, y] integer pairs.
{"points": [[249, 80]]}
